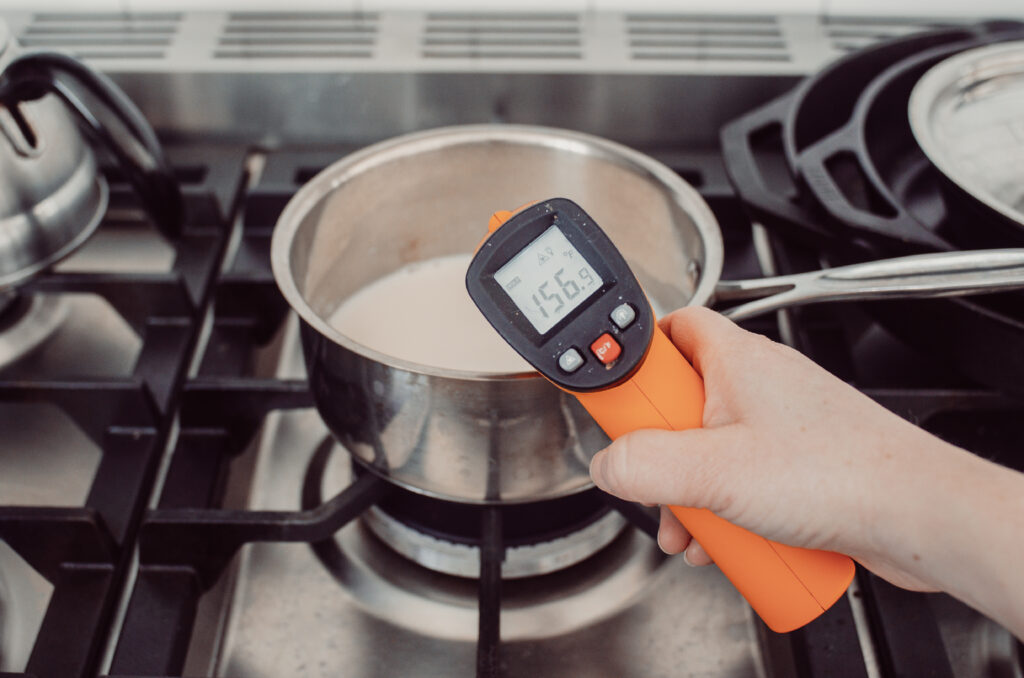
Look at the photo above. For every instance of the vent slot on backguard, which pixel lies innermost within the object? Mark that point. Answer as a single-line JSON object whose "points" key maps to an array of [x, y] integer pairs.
{"points": [[501, 35], [135, 35], [308, 35], [685, 37]]}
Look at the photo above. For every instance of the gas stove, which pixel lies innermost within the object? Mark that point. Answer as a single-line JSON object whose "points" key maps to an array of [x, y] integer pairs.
{"points": [[170, 502]]}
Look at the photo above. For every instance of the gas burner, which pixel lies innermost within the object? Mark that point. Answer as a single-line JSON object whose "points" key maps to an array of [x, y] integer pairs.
{"points": [[588, 578], [463, 560], [539, 537], [388, 586], [27, 321]]}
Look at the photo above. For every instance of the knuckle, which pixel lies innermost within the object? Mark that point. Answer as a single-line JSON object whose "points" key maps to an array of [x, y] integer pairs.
{"points": [[620, 470], [698, 316]]}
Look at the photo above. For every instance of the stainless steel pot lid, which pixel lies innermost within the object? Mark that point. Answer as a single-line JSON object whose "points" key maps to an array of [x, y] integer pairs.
{"points": [[967, 114]]}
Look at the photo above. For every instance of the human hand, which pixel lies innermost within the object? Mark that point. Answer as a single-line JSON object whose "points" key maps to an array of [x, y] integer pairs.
{"points": [[787, 451]]}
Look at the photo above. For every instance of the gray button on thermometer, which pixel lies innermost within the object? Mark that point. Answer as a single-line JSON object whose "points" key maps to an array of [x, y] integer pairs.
{"points": [[570, 361], [623, 316]]}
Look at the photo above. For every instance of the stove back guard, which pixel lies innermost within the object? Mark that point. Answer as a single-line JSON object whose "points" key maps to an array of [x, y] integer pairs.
{"points": [[278, 78]]}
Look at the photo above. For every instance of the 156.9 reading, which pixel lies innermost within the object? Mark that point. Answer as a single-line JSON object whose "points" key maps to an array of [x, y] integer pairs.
{"points": [[547, 279], [560, 291]]}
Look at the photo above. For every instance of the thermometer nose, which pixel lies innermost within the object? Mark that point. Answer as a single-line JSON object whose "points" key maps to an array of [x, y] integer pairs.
{"points": [[497, 219], [501, 216]]}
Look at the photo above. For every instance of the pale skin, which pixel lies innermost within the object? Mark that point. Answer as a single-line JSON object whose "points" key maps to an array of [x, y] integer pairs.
{"points": [[796, 455]]}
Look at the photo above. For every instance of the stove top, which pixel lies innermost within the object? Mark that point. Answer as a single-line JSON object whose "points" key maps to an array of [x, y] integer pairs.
{"points": [[171, 504], [240, 569]]}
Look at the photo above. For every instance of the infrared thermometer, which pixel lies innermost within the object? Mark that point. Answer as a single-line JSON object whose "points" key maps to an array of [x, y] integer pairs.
{"points": [[554, 286]]}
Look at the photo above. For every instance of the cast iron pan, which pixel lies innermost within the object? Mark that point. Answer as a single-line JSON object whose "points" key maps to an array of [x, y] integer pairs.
{"points": [[871, 176], [760, 149]]}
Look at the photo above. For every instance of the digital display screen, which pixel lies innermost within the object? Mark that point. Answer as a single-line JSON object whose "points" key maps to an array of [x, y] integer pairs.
{"points": [[548, 279]]}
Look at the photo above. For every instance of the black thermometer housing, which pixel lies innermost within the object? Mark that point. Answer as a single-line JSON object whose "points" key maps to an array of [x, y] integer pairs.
{"points": [[609, 328]]}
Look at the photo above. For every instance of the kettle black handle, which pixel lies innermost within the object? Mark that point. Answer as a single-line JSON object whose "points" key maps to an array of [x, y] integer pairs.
{"points": [[112, 118]]}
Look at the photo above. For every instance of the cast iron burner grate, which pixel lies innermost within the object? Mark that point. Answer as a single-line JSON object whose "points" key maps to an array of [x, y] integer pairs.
{"points": [[187, 542], [84, 551]]}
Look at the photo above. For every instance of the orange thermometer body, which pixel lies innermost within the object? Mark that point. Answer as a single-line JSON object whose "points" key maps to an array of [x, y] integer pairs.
{"points": [[555, 287]]}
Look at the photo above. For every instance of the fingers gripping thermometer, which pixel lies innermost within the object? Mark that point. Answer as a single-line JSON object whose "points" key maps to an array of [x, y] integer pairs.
{"points": [[556, 288]]}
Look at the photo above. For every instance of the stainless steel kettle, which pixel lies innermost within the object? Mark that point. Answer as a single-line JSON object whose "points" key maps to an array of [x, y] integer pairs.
{"points": [[51, 195]]}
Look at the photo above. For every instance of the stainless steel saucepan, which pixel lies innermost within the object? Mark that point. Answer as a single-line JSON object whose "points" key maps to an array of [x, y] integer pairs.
{"points": [[495, 437]]}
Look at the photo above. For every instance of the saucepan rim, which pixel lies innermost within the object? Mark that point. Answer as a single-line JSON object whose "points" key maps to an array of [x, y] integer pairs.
{"points": [[317, 189]]}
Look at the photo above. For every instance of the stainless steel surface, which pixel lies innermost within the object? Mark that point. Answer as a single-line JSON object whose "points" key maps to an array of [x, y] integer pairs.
{"points": [[45, 460], [92, 339], [24, 596], [918, 276], [627, 611], [289, 77], [471, 436], [463, 560], [51, 196], [41, 316], [967, 113]]}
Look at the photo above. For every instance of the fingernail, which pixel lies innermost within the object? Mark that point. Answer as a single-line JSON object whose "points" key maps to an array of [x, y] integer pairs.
{"points": [[597, 467], [659, 543], [686, 558]]}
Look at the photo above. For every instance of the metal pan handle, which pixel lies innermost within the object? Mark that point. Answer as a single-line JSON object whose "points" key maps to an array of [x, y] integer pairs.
{"points": [[109, 116], [941, 274]]}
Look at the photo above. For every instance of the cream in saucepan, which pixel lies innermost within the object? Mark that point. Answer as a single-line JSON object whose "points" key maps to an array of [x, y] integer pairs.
{"points": [[422, 313]]}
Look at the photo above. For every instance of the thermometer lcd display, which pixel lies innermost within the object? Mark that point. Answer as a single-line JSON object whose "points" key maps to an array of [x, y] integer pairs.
{"points": [[548, 279]]}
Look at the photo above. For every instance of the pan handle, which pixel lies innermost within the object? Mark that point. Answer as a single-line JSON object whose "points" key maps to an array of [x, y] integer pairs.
{"points": [[942, 274], [745, 165], [842, 152]]}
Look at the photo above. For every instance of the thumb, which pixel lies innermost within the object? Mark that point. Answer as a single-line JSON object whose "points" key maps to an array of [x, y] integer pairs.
{"points": [[685, 468]]}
